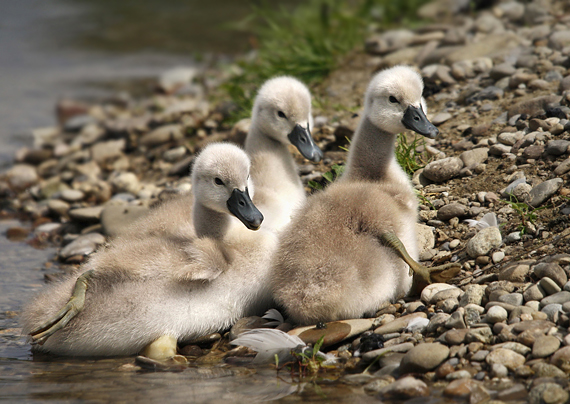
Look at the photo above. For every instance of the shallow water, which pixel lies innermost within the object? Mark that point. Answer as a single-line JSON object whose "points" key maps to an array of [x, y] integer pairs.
{"points": [[81, 48]]}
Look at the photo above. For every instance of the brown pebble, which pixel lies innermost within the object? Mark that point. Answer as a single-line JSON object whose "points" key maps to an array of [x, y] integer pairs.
{"points": [[17, 233], [191, 350]]}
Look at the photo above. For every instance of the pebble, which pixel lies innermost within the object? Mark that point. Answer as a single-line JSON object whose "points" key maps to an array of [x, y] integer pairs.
{"points": [[484, 241], [540, 193], [548, 286], [404, 388], [21, 176], [550, 393], [557, 298], [424, 357], [513, 299], [399, 324], [399, 348], [91, 214], [505, 357], [431, 290], [545, 346], [82, 245], [452, 210], [552, 271], [496, 314], [443, 170], [72, 195], [514, 273]]}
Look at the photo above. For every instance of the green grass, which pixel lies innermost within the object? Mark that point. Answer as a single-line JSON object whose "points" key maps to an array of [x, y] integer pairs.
{"points": [[525, 212], [309, 41], [407, 155]]}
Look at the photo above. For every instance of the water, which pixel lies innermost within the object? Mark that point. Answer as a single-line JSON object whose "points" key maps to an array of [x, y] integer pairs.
{"points": [[55, 48]]}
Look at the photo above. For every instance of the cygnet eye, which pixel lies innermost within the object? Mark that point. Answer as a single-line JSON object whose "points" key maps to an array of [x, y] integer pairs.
{"points": [[218, 181], [281, 114], [393, 100]]}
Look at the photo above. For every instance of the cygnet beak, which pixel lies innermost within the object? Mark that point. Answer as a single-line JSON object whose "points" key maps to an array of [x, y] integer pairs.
{"points": [[241, 206], [415, 119], [302, 139]]}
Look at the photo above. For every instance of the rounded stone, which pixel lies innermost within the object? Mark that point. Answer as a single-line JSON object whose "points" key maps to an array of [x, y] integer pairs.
{"points": [[557, 298], [505, 357], [557, 147], [552, 271], [474, 157], [549, 286], [545, 346], [514, 273], [514, 299], [431, 290], [552, 311], [406, 387], [533, 293], [499, 370], [21, 176], [126, 182], [72, 195], [443, 170], [424, 357], [82, 245], [496, 314], [543, 191], [452, 210], [484, 241], [550, 393], [561, 358]]}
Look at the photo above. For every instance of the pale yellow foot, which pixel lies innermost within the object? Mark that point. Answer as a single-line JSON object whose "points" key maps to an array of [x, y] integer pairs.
{"points": [[161, 349]]}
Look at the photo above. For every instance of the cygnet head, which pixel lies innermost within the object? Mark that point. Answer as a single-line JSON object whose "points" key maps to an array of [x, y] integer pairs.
{"points": [[282, 111], [394, 102], [220, 181]]}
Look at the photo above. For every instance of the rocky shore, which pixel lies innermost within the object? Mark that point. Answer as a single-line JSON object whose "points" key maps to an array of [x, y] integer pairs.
{"points": [[497, 85]]}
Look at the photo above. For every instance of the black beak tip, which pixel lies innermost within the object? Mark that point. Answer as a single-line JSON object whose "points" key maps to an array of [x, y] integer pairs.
{"points": [[317, 156]]}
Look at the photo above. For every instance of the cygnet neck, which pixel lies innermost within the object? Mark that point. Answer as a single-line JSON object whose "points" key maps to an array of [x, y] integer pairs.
{"points": [[371, 153], [208, 222], [283, 165]]}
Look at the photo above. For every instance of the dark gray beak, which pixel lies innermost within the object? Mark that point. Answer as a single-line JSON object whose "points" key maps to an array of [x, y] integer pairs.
{"points": [[302, 139], [415, 119], [241, 206]]}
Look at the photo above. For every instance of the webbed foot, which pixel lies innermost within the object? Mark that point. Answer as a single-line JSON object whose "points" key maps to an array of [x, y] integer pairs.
{"points": [[423, 275], [73, 307]]}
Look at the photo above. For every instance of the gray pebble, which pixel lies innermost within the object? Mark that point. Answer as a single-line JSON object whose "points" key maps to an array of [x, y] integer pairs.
{"points": [[424, 357], [514, 299], [551, 270], [545, 346], [534, 293], [82, 245], [549, 286], [443, 170], [496, 314], [544, 190], [452, 210], [484, 241], [557, 147], [552, 311], [558, 298]]}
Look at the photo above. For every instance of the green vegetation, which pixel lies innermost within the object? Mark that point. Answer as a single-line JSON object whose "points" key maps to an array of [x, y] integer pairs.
{"points": [[308, 41], [407, 155], [526, 213], [329, 176], [307, 362]]}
